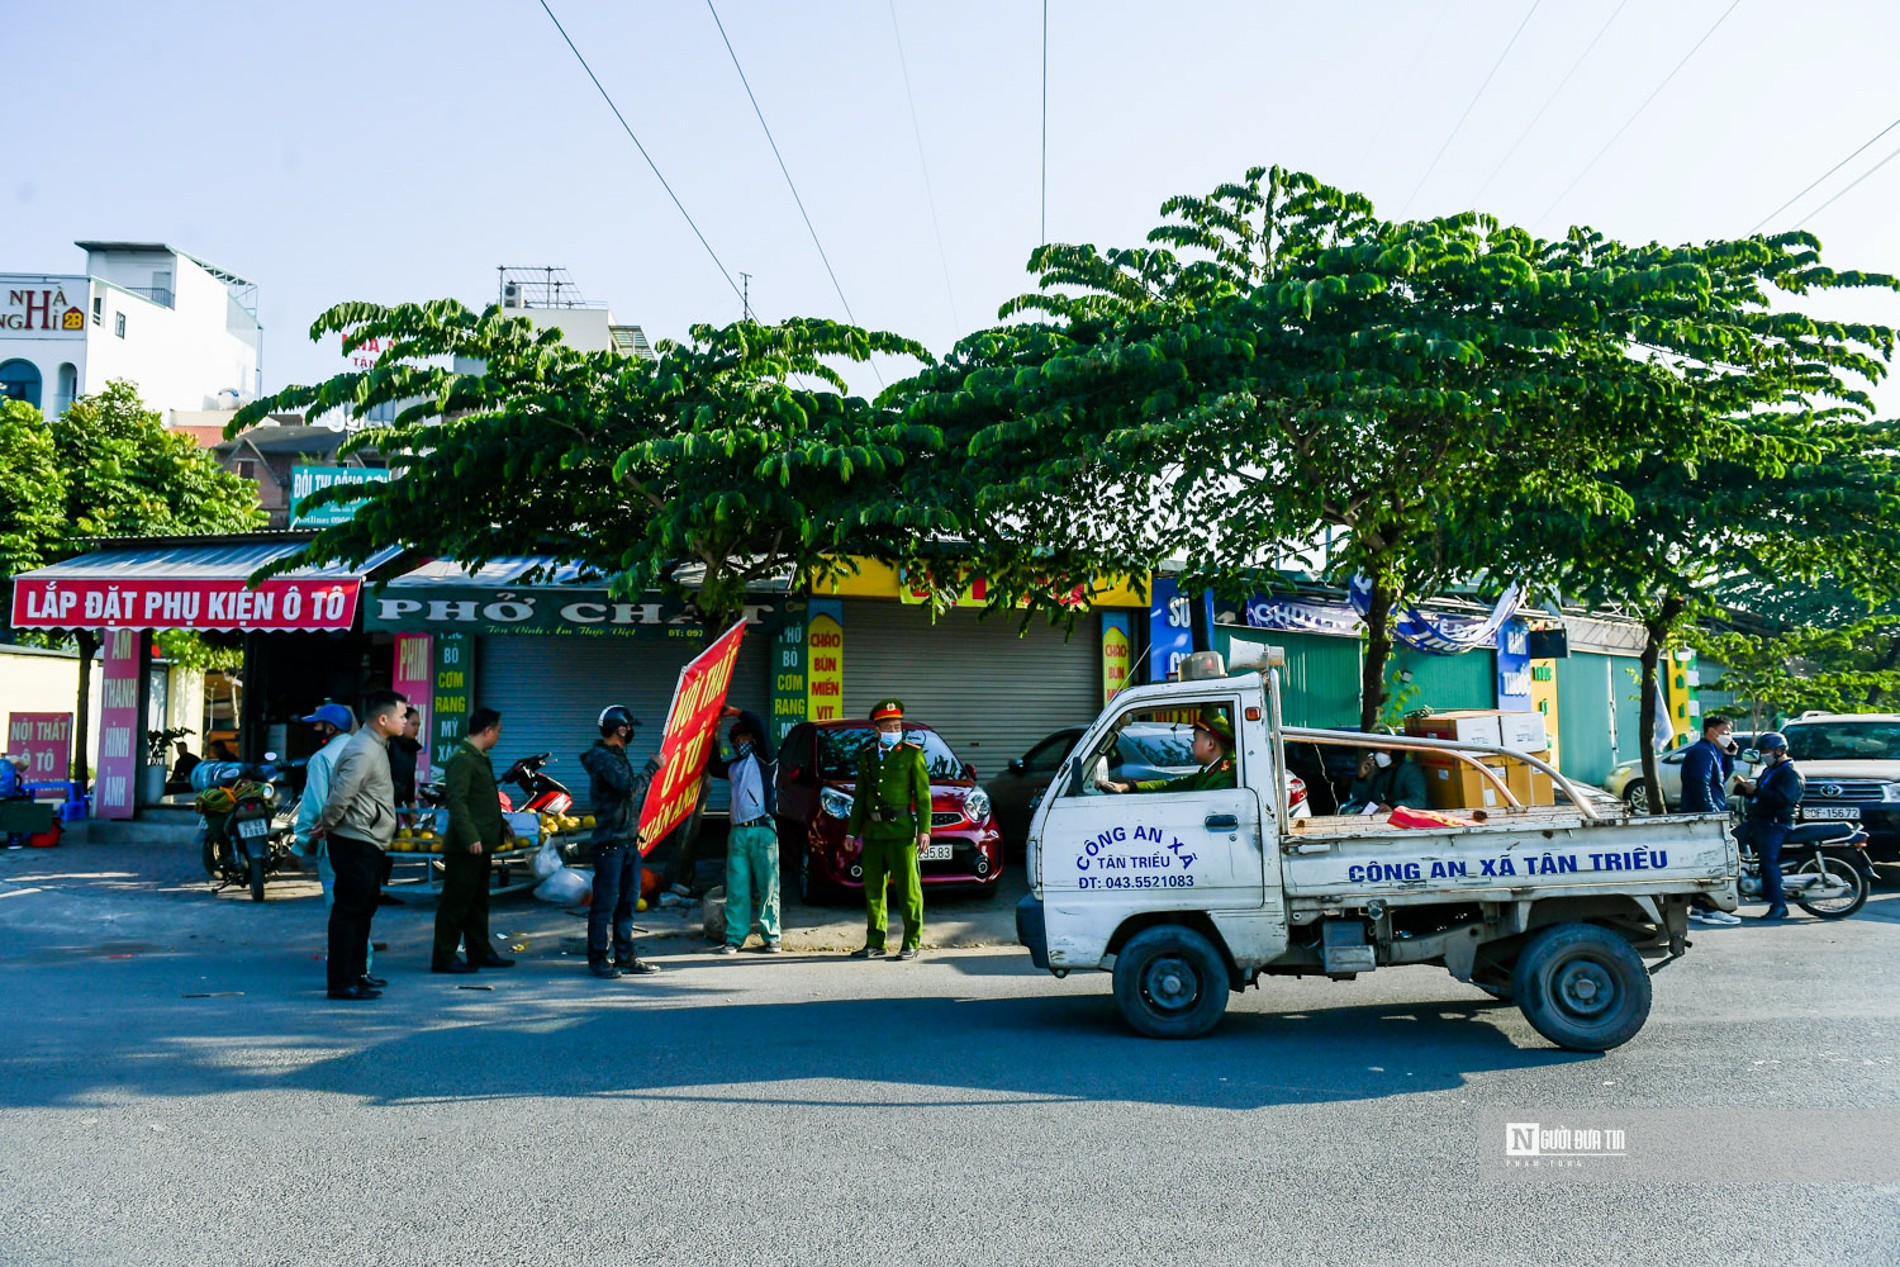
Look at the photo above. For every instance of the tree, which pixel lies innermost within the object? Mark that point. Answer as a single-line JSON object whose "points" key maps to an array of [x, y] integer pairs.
{"points": [[127, 476], [733, 457], [32, 490], [1814, 645]]}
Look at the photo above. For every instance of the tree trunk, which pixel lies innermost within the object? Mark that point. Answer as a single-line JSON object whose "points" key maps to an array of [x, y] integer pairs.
{"points": [[1655, 643], [88, 641], [1378, 651]]}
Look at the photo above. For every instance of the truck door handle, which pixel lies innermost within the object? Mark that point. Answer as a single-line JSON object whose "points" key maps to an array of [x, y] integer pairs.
{"points": [[1222, 822]]}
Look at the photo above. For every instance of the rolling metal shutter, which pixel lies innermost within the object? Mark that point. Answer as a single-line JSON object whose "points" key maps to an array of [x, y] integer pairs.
{"points": [[989, 692], [1449, 682], [550, 692], [1321, 678]]}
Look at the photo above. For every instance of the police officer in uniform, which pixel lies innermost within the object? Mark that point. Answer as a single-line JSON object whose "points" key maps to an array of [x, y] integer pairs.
{"points": [[1213, 749], [890, 823]]}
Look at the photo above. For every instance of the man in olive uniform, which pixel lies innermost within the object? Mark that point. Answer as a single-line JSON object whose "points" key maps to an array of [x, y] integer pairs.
{"points": [[890, 822], [1213, 748], [475, 833]]}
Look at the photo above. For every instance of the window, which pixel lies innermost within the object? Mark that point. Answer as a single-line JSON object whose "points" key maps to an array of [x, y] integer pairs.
{"points": [[67, 389], [1845, 741], [246, 469], [20, 380], [118, 324], [98, 309], [1146, 744], [1047, 755], [839, 748]]}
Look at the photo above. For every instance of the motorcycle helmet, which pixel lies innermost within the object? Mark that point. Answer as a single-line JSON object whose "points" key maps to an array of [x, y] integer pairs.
{"points": [[614, 716], [1774, 740]]}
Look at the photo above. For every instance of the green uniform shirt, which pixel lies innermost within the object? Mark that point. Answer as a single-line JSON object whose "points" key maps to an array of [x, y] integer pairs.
{"points": [[473, 800], [1209, 778], [899, 782]]}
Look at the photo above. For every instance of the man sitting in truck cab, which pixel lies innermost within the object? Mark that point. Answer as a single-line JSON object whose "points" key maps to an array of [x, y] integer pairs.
{"points": [[1213, 748]]}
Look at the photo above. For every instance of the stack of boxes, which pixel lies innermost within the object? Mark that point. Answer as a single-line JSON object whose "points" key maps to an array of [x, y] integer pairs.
{"points": [[1452, 784]]}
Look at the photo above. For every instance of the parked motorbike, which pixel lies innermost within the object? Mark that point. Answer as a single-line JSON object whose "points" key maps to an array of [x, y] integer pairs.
{"points": [[248, 817], [1824, 867], [542, 793]]}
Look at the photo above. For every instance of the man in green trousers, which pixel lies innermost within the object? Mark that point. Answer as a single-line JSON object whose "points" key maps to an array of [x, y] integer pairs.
{"points": [[474, 834], [890, 823]]}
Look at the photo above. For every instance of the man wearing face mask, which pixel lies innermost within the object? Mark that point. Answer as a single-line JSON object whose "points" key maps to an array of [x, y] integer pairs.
{"points": [[890, 823], [752, 849], [1386, 781], [615, 791]]}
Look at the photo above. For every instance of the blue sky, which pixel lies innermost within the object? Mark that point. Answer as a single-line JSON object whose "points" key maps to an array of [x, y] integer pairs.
{"points": [[402, 150]]}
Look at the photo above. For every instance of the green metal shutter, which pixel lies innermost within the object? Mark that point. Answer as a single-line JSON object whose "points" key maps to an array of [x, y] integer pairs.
{"points": [[1322, 674], [550, 692], [991, 688], [1448, 682], [1585, 721]]}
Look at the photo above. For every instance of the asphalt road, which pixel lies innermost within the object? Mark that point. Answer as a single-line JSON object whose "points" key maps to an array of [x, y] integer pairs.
{"points": [[808, 1109]]}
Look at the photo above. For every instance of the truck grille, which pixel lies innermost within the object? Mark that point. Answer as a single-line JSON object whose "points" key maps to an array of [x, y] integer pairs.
{"points": [[1845, 791]]}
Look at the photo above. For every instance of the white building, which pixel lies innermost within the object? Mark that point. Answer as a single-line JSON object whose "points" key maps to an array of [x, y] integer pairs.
{"points": [[185, 331]]}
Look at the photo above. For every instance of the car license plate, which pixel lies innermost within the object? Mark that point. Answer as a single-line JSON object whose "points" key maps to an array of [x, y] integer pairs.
{"points": [[251, 828], [1828, 811], [935, 853]]}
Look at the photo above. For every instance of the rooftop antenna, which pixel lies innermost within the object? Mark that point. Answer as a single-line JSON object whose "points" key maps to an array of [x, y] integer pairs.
{"points": [[745, 296]]}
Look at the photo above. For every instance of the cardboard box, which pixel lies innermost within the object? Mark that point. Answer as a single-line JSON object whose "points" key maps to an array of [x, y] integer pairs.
{"points": [[1528, 784], [1467, 726], [1524, 732], [1453, 785]]}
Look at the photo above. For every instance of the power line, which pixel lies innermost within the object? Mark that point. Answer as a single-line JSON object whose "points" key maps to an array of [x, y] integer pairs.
{"points": [[1405, 82], [1550, 100], [930, 194], [782, 168], [1042, 231], [1850, 188], [1627, 123], [626, 127], [1458, 126], [1829, 172]]}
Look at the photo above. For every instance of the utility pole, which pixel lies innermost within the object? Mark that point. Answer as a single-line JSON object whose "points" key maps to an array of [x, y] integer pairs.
{"points": [[745, 296]]}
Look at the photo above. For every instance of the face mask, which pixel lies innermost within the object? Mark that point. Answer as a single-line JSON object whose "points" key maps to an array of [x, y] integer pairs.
{"points": [[742, 749], [888, 739]]}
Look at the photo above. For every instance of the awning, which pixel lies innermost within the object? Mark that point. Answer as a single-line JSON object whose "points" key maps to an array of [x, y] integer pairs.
{"points": [[189, 585]]}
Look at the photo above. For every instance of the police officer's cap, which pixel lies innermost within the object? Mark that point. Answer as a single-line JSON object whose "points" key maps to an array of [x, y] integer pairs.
{"points": [[1216, 721], [885, 709]]}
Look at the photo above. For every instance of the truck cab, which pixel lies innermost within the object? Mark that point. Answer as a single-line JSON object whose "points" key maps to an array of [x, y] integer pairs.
{"points": [[1190, 891]]}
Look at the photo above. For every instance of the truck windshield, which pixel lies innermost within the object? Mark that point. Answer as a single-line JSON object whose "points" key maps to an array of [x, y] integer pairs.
{"points": [[838, 752], [1845, 741]]}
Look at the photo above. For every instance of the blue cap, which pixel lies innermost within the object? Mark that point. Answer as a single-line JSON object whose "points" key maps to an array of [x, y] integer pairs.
{"points": [[337, 715], [1773, 739]]}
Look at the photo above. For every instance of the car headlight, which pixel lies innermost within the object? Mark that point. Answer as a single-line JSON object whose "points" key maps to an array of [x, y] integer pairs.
{"points": [[976, 806], [1890, 792], [835, 803]]}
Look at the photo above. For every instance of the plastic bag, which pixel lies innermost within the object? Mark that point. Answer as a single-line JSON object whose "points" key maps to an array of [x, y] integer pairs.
{"points": [[566, 887], [547, 860]]}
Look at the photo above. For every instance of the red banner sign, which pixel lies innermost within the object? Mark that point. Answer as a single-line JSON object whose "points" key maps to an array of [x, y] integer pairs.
{"points": [[93, 603], [47, 740], [691, 724], [121, 740]]}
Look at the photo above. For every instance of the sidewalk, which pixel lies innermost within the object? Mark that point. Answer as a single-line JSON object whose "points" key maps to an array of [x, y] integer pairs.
{"points": [[84, 898]]}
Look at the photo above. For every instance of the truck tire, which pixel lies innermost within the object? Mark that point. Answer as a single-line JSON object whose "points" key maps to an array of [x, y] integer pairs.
{"points": [[1582, 987], [1170, 982]]}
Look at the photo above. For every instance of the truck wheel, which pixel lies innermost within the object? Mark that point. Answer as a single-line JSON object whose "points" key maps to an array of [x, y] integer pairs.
{"points": [[1846, 888], [257, 878], [1582, 987], [1170, 982]]}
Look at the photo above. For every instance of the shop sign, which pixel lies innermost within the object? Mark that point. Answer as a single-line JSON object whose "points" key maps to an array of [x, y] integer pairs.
{"points": [[120, 748], [46, 740], [96, 603], [1117, 656], [1514, 667], [824, 660], [307, 480], [788, 676], [45, 309], [413, 678], [568, 612], [1170, 629], [451, 694], [692, 726]]}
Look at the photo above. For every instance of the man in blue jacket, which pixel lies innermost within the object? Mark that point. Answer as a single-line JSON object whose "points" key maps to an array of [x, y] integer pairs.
{"points": [[1705, 770], [1775, 792]]}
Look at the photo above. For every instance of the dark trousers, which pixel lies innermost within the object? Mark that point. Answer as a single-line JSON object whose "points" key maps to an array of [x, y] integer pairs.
{"points": [[616, 889], [359, 882], [461, 913], [1768, 837]]}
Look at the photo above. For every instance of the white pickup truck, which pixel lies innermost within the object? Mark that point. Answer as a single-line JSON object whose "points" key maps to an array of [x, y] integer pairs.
{"points": [[1187, 894]]}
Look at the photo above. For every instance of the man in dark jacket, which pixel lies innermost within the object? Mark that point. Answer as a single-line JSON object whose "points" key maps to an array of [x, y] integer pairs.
{"points": [[1775, 792], [475, 832], [1386, 781], [616, 792], [404, 751], [1705, 770]]}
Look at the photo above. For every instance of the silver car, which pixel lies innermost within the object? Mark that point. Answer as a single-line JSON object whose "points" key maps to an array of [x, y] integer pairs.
{"points": [[1625, 782]]}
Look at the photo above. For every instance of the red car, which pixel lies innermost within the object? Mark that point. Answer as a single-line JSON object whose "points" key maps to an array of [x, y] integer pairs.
{"points": [[817, 769]]}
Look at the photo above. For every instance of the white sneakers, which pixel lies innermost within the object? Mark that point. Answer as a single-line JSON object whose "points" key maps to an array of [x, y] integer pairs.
{"points": [[1712, 916]]}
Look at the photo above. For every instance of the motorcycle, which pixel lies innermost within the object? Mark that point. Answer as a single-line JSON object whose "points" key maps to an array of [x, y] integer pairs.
{"points": [[248, 820], [542, 792], [1824, 867]]}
